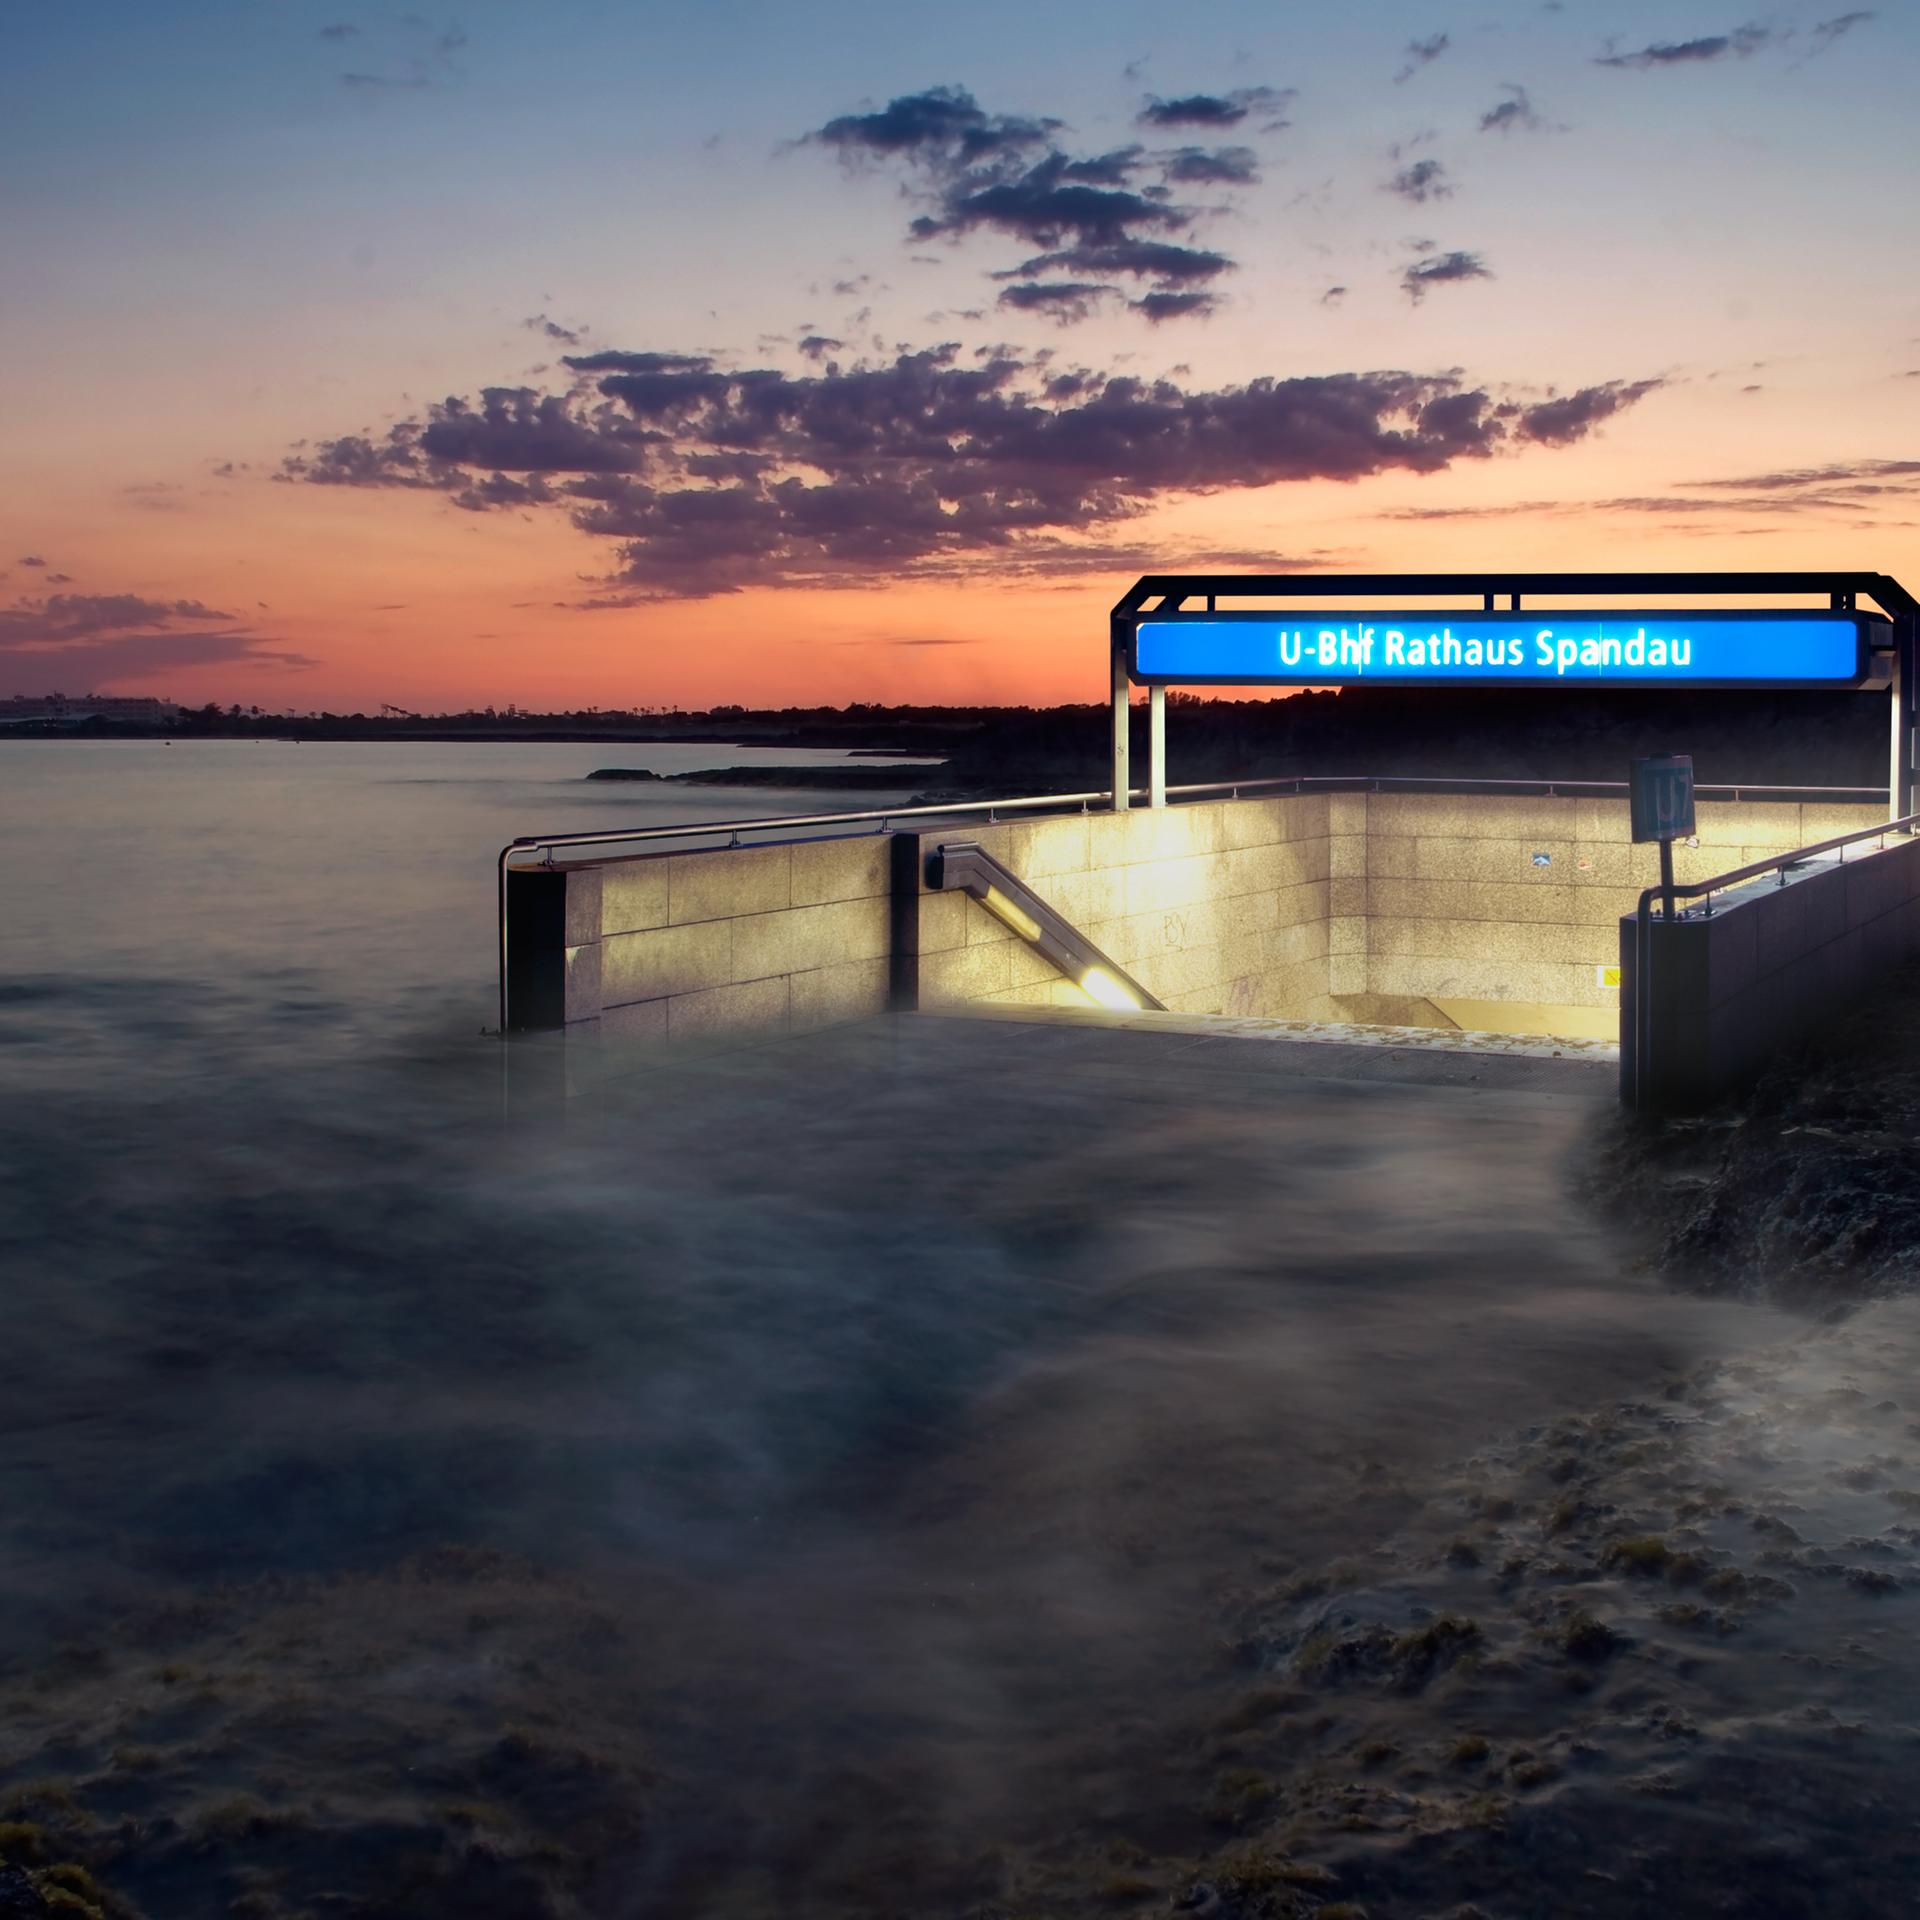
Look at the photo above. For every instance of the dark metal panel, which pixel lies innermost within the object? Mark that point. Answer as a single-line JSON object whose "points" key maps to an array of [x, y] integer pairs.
{"points": [[903, 909], [534, 959]]}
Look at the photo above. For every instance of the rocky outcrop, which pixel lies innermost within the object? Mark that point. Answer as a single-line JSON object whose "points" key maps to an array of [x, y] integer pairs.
{"points": [[1805, 1189]]}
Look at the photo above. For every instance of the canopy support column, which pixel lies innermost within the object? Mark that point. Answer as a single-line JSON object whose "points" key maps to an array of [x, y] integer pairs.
{"points": [[1900, 755], [1122, 779], [1156, 746]]}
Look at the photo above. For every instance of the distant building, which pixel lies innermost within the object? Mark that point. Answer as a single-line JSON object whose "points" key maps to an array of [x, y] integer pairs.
{"points": [[70, 709]]}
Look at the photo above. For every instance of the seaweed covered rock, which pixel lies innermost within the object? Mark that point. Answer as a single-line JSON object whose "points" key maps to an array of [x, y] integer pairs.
{"points": [[1582, 1715], [1805, 1188], [20, 1899]]}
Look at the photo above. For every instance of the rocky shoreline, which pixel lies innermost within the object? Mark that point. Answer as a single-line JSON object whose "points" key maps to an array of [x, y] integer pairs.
{"points": [[1805, 1189], [1658, 1656], [1653, 1658]]}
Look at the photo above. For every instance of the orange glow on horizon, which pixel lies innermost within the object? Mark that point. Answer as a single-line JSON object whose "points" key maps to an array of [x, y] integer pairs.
{"points": [[401, 598]]}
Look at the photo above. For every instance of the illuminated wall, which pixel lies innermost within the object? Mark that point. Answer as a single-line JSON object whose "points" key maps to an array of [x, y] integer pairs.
{"points": [[1221, 906], [1408, 909]]}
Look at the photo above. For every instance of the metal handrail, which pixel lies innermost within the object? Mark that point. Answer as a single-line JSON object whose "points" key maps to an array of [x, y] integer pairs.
{"points": [[882, 817], [701, 828], [1375, 782], [1779, 861], [1734, 876]]}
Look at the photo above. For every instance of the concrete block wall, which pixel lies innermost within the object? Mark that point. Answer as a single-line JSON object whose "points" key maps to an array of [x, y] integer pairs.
{"points": [[1217, 907], [1400, 907], [1726, 992], [1460, 908], [695, 949]]}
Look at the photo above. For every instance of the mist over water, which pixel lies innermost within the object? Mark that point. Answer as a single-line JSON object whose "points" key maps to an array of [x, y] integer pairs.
{"points": [[806, 1482]]}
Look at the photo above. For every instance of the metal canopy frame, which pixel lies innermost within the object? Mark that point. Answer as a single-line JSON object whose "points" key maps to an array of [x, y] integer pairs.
{"points": [[1158, 593]]}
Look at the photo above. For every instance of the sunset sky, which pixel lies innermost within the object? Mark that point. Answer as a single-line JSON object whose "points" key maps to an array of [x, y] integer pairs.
{"points": [[589, 353]]}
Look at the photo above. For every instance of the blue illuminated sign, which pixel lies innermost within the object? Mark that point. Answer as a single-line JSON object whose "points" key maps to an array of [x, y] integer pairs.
{"points": [[1311, 649]]}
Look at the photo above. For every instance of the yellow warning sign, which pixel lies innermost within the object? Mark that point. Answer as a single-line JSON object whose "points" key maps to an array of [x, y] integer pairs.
{"points": [[1606, 976]]}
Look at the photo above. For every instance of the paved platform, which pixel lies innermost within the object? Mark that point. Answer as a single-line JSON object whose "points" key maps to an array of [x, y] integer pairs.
{"points": [[1421, 1056], [1172, 1056]]}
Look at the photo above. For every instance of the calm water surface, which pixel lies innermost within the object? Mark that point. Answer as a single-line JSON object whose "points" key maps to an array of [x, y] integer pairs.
{"points": [[348, 882]]}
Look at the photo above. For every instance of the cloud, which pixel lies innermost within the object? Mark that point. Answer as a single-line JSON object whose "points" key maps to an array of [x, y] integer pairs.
{"points": [[1063, 300], [1172, 266], [1514, 114], [1111, 169], [816, 346], [1422, 53], [1420, 182], [1652, 504], [421, 56], [1508, 511], [616, 362], [942, 128], [552, 330], [1095, 217], [1159, 306], [156, 496], [1217, 109], [1211, 167], [1827, 32], [72, 616], [1740, 42], [1560, 421], [1046, 206], [64, 642], [707, 480], [31, 560], [1859, 475], [1333, 296], [1842, 490], [1440, 270]]}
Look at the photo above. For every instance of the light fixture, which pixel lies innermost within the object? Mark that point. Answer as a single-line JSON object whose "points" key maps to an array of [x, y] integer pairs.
{"points": [[1100, 986], [1003, 909]]}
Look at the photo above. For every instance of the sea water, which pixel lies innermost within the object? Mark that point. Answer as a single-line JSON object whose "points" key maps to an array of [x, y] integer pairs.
{"points": [[832, 1479]]}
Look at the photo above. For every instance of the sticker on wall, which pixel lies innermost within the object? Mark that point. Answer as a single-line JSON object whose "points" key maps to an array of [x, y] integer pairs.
{"points": [[1606, 976], [1543, 859], [1585, 866]]}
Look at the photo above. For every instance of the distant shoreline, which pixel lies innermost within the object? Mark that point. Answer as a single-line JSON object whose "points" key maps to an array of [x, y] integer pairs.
{"points": [[841, 775], [478, 736], [1752, 737]]}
